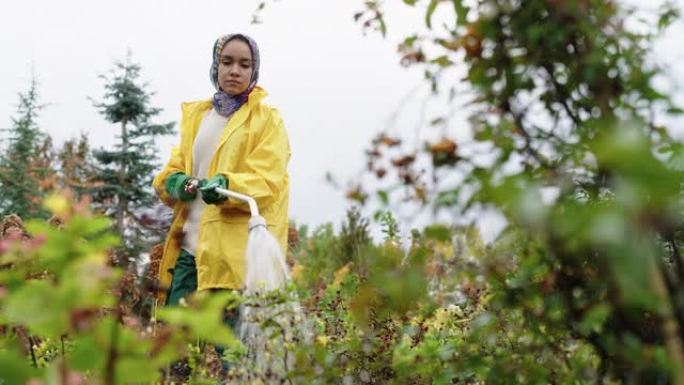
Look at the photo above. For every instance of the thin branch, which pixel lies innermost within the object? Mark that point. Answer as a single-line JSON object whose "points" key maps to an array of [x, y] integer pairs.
{"points": [[112, 353], [543, 162], [33, 353], [563, 93], [671, 288]]}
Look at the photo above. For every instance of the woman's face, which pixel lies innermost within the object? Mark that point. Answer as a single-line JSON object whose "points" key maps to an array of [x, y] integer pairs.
{"points": [[235, 67]]}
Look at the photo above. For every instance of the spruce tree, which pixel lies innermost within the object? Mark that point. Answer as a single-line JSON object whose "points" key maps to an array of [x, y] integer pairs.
{"points": [[125, 171], [25, 162]]}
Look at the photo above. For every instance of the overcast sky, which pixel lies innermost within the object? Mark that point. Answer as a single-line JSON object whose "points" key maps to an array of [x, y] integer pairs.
{"points": [[335, 87]]}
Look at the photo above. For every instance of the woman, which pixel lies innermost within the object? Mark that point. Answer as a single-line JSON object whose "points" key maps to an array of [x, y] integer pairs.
{"points": [[232, 141]]}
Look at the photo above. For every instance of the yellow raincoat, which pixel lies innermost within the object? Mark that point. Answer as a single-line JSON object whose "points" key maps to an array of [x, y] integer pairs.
{"points": [[252, 154]]}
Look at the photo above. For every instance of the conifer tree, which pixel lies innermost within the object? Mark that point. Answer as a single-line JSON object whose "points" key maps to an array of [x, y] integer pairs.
{"points": [[125, 170], [25, 161]]}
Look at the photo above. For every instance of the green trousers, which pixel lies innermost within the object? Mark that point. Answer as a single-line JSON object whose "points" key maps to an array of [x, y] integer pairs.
{"points": [[184, 282], [184, 278]]}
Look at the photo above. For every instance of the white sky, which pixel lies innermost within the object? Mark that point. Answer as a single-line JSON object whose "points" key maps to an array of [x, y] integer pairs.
{"points": [[334, 86]]}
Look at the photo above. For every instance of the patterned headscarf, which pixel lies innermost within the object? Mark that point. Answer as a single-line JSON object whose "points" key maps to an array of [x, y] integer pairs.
{"points": [[224, 103]]}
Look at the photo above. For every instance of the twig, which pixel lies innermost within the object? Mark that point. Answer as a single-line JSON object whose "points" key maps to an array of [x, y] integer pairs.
{"points": [[562, 92], [33, 353], [112, 354], [528, 142], [670, 329]]}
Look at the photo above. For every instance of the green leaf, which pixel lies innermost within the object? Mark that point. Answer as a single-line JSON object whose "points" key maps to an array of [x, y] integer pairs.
{"points": [[447, 198], [430, 10], [438, 232], [134, 370], [88, 354], [442, 61], [461, 12], [382, 26], [384, 197], [38, 306], [409, 41], [14, 369], [595, 318], [206, 322], [667, 17]]}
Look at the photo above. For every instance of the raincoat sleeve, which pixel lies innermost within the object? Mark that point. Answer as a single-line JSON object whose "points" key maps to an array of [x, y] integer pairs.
{"points": [[265, 176], [174, 165]]}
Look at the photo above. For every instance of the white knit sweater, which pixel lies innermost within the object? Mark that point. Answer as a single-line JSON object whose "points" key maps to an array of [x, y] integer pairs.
{"points": [[203, 150]]}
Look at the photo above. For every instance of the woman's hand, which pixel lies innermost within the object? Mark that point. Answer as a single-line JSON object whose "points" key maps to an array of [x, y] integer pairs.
{"points": [[208, 189], [182, 187]]}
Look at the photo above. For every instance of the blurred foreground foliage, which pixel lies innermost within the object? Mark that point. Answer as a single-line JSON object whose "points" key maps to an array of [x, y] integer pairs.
{"points": [[69, 316], [374, 313], [449, 310], [572, 143]]}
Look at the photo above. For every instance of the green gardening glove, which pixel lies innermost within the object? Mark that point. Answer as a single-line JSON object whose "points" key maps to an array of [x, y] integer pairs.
{"points": [[207, 188], [182, 187]]}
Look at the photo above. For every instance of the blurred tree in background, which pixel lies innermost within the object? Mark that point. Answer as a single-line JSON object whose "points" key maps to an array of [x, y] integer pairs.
{"points": [[23, 168], [76, 164], [32, 167], [125, 171]]}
